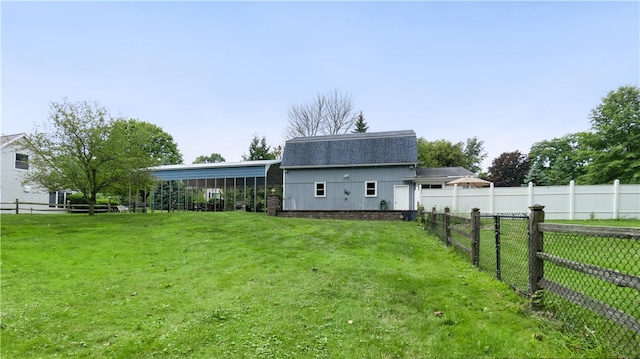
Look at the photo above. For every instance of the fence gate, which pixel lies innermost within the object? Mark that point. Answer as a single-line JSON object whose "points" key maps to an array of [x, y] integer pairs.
{"points": [[503, 244]]}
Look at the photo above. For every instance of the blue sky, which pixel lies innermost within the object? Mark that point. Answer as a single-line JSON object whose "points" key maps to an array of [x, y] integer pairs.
{"points": [[214, 74]]}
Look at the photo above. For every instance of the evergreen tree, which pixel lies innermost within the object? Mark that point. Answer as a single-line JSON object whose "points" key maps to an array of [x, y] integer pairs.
{"points": [[258, 150], [361, 124], [536, 175]]}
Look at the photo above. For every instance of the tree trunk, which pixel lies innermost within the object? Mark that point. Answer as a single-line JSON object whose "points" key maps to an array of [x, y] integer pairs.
{"points": [[92, 204]]}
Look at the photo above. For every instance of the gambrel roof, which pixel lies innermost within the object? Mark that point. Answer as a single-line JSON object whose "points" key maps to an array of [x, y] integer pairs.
{"points": [[355, 149]]}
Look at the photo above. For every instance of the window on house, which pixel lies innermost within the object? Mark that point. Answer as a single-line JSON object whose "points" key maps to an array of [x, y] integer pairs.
{"points": [[58, 198], [22, 161], [62, 198], [431, 186], [321, 189], [52, 199], [371, 189]]}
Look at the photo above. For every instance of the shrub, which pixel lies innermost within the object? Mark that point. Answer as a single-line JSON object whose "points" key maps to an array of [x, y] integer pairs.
{"points": [[78, 198]]}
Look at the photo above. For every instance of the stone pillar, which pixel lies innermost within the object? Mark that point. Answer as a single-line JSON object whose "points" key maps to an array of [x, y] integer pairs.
{"points": [[273, 204]]}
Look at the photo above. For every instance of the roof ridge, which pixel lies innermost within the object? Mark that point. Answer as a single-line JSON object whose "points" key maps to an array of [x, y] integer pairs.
{"points": [[353, 136]]}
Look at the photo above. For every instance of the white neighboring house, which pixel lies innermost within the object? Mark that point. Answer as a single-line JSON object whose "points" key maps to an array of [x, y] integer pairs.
{"points": [[14, 165]]}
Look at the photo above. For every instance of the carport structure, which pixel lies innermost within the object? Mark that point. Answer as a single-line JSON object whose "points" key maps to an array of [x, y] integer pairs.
{"points": [[220, 186]]}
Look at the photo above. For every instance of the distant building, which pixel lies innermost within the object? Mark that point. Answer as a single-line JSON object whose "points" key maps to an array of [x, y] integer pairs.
{"points": [[15, 164], [437, 177], [223, 186], [358, 171]]}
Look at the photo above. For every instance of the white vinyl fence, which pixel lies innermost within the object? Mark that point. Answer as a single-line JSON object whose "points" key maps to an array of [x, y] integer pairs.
{"points": [[561, 202]]}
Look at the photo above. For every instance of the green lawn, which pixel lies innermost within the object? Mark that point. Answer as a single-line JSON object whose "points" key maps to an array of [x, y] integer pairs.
{"points": [[623, 222], [245, 285]]}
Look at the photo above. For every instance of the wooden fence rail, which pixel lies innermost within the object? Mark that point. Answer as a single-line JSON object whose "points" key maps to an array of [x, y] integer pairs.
{"points": [[538, 257], [18, 207], [462, 229]]}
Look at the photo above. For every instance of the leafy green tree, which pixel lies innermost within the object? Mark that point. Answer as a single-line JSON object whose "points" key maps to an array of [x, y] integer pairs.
{"points": [[440, 153], [613, 147], [509, 169], [158, 144], [474, 153], [561, 159], [258, 150], [81, 149], [212, 158], [361, 124], [155, 144]]}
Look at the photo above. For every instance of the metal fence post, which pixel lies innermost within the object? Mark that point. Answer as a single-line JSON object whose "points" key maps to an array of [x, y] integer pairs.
{"points": [[447, 229], [475, 236], [536, 244], [496, 234], [432, 218], [17, 206]]}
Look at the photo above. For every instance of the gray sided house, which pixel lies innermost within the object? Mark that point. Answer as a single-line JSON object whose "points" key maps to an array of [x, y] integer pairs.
{"points": [[359, 171]]}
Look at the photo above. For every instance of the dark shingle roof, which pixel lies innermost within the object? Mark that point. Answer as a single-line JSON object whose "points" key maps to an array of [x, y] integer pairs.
{"points": [[356, 149]]}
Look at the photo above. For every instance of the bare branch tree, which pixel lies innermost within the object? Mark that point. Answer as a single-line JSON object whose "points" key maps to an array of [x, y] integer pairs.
{"points": [[340, 115], [328, 114]]}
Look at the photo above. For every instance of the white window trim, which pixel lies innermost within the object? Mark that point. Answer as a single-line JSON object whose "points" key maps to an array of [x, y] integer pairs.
{"points": [[375, 189], [315, 189]]}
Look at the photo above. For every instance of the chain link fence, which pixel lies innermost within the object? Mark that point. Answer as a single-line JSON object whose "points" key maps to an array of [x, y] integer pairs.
{"points": [[502, 242], [592, 286], [584, 278]]}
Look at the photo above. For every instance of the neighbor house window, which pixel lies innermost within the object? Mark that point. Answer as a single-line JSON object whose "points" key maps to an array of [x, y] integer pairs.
{"points": [[371, 189], [431, 186], [58, 198], [321, 189], [22, 161]]}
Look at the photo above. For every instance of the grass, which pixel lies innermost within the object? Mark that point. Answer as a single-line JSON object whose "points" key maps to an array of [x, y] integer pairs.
{"points": [[621, 222], [244, 285]]}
